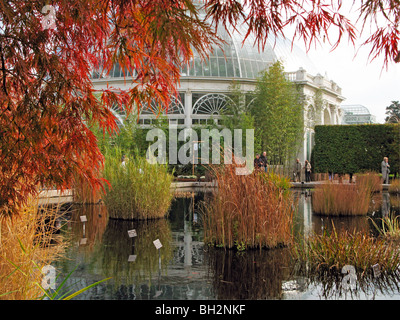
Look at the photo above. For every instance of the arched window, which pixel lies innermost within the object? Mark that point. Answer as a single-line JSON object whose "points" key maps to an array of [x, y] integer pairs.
{"points": [[211, 104], [175, 107]]}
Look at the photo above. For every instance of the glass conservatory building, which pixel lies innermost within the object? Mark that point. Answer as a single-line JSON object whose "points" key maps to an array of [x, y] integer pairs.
{"points": [[204, 88], [357, 114]]}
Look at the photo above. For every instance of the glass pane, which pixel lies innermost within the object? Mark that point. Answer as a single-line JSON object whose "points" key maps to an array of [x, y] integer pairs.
{"points": [[248, 69], [117, 71], [214, 67], [229, 68], [198, 70], [206, 68], [222, 67], [236, 67]]}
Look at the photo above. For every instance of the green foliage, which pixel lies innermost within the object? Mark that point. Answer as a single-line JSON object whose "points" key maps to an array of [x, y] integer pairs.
{"points": [[130, 137], [356, 148], [393, 112], [278, 115], [138, 189], [330, 252]]}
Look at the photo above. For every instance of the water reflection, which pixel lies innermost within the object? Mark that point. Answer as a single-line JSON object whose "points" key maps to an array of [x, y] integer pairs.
{"points": [[251, 275], [306, 222], [185, 268]]}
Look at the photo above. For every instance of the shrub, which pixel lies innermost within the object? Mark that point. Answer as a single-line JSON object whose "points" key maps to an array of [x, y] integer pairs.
{"points": [[138, 189], [356, 148], [247, 212]]}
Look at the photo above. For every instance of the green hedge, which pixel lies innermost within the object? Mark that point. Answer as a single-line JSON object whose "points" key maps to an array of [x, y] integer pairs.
{"points": [[356, 148]]}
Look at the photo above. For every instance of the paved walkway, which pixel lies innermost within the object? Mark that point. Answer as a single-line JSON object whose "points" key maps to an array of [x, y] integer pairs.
{"points": [[55, 196]]}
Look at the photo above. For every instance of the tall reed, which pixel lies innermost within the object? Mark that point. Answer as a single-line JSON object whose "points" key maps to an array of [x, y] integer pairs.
{"points": [[370, 180], [247, 211], [83, 192], [27, 243], [138, 190], [345, 199], [394, 187]]}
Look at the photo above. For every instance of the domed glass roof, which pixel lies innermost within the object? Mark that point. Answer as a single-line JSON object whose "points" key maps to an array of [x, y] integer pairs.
{"points": [[356, 109], [239, 60], [243, 60], [232, 61]]}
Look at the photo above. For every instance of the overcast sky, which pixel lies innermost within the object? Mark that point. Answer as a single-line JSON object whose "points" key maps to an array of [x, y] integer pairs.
{"points": [[362, 81]]}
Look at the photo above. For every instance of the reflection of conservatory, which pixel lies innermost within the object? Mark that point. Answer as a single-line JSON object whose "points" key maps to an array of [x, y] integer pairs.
{"points": [[356, 114], [204, 87]]}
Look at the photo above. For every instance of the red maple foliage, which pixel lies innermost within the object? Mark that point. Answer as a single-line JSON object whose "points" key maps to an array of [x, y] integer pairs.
{"points": [[47, 55], [47, 101]]}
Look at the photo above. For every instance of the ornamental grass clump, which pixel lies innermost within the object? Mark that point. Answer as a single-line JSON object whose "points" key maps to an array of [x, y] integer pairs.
{"points": [[137, 190], [394, 187], [330, 252], [247, 211], [344, 199], [370, 180], [28, 242]]}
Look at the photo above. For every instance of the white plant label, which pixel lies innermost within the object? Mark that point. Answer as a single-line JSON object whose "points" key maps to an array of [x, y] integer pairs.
{"points": [[132, 233], [157, 244]]}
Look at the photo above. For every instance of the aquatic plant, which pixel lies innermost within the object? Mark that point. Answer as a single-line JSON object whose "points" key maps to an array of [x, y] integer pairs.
{"points": [[137, 189], [330, 252], [370, 180], [394, 187], [390, 226], [247, 211], [343, 199]]}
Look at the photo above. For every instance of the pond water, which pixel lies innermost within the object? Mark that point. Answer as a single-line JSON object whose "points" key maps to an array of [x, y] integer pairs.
{"points": [[186, 269]]}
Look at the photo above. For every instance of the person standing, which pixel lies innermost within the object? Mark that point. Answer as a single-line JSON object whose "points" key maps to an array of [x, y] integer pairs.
{"points": [[264, 161], [257, 162], [385, 170], [307, 167], [297, 171]]}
